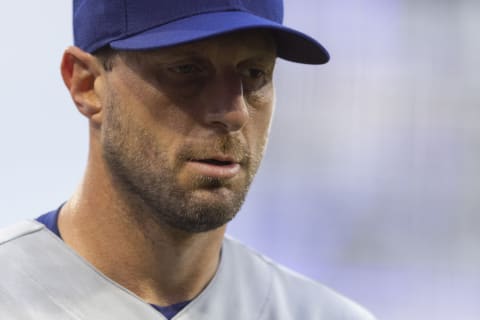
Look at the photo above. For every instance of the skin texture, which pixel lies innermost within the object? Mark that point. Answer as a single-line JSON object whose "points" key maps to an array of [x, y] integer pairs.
{"points": [[176, 137]]}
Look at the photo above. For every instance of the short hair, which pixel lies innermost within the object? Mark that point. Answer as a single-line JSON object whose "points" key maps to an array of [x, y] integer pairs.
{"points": [[106, 55]]}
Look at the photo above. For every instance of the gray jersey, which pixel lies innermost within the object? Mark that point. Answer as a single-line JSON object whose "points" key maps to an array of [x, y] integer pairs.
{"points": [[42, 278]]}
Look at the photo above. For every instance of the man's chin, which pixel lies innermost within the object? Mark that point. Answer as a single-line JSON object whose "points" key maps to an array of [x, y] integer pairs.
{"points": [[204, 210], [203, 218]]}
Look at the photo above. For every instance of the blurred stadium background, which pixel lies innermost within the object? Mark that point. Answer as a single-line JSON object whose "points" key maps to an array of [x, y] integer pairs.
{"points": [[370, 182]]}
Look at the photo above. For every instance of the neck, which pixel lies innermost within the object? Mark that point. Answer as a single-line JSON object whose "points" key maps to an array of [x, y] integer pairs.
{"points": [[160, 264]]}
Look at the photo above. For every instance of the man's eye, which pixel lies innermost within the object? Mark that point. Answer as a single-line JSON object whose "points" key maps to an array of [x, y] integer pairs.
{"points": [[186, 69], [256, 73], [253, 79], [253, 73]]}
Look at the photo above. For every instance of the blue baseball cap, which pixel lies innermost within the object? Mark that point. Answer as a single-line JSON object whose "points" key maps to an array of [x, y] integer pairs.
{"points": [[153, 24]]}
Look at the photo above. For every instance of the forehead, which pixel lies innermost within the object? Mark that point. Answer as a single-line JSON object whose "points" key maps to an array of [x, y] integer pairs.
{"points": [[254, 42]]}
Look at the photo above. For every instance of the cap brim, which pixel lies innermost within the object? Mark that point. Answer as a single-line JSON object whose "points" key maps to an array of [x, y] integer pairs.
{"points": [[292, 45]]}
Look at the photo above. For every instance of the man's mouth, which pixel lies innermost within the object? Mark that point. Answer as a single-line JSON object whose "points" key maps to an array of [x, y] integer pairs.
{"points": [[216, 167], [215, 162]]}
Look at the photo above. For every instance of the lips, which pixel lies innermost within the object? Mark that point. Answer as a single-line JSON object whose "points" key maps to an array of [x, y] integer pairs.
{"points": [[216, 162], [222, 167]]}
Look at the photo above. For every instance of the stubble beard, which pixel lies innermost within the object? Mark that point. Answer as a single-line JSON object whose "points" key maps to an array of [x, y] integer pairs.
{"points": [[139, 169]]}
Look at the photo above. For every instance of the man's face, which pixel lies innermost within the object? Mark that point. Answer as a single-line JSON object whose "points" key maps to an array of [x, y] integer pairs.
{"points": [[185, 127]]}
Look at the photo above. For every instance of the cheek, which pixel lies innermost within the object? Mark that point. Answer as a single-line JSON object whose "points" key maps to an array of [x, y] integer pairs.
{"points": [[261, 106], [130, 128], [260, 123], [154, 110]]}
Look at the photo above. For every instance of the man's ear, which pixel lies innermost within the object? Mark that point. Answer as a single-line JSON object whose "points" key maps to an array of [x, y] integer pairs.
{"points": [[79, 72]]}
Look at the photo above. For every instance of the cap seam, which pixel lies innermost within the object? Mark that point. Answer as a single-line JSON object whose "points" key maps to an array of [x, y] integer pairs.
{"points": [[126, 24]]}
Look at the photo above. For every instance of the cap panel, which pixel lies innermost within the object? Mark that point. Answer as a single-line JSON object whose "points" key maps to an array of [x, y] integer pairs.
{"points": [[146, 14], [271, 10], [96, 23]]}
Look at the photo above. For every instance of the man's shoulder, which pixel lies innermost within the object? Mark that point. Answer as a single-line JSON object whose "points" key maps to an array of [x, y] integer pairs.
{"points": [[42, 278], [294, 294], [18, 230]]}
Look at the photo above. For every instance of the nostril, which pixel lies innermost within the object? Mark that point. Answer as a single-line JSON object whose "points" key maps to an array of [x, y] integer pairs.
{"points": [[229, 120]]}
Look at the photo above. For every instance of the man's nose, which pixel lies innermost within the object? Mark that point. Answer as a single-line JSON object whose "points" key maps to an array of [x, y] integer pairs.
{"points": [[225, 105]]}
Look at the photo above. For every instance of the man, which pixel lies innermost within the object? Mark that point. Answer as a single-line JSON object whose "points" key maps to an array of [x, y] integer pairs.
{"points": [[179, 98]]}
